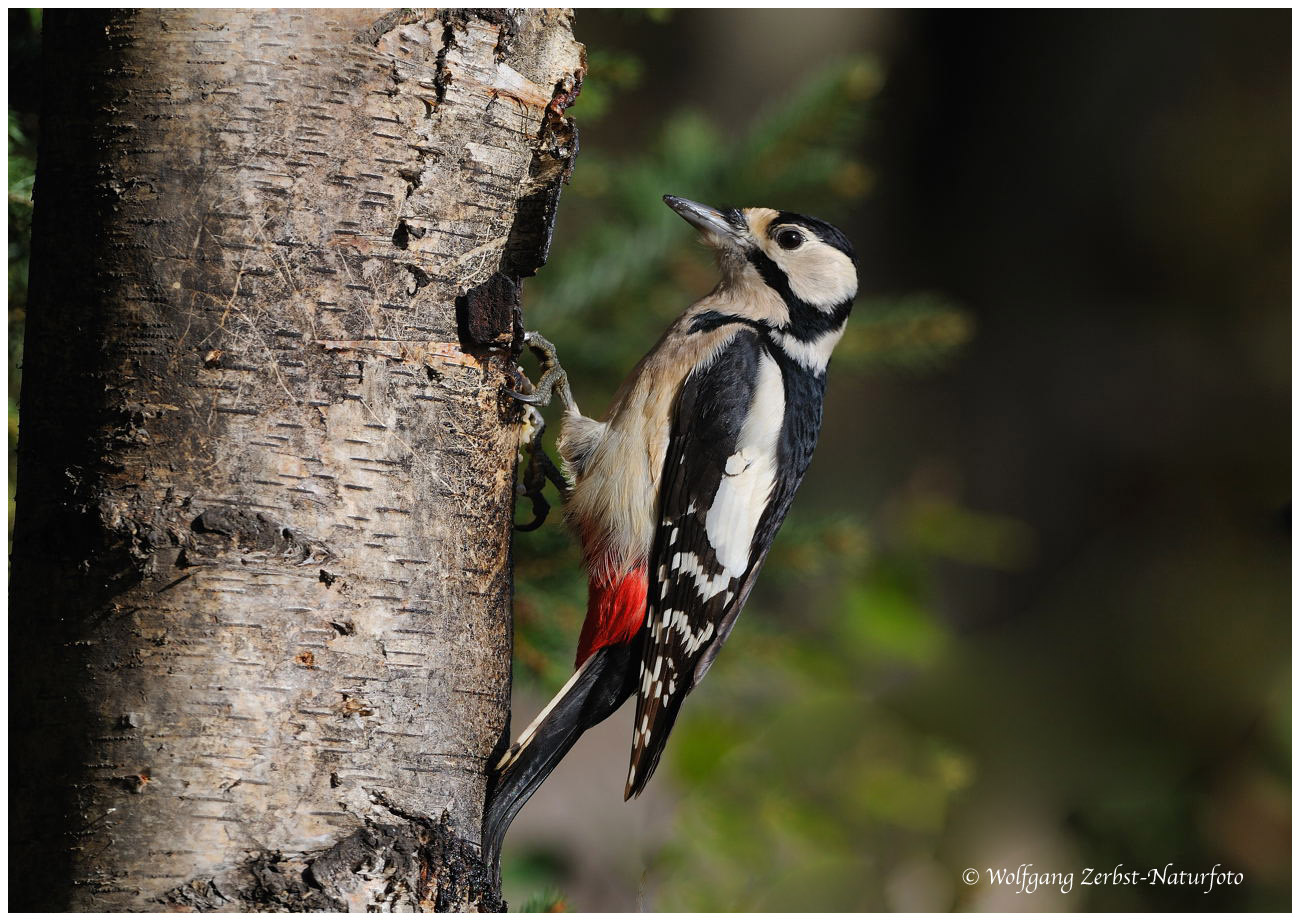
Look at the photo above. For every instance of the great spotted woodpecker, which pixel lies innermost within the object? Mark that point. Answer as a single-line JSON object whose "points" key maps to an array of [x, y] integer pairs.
{"points": [[679, 492]]}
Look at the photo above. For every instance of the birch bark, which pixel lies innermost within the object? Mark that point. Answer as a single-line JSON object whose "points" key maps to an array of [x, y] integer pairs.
{"points": [[261, 576]]}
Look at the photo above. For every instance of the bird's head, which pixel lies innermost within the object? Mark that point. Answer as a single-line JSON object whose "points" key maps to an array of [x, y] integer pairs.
{"points": [[793, 254]]}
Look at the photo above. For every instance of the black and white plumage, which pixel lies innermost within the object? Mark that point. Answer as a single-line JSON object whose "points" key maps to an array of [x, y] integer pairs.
{"points": [[735, 458], [684, 484]]}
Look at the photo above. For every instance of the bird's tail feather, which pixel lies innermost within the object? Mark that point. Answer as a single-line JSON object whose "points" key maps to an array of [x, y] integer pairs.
{"points": [[596, 690]]}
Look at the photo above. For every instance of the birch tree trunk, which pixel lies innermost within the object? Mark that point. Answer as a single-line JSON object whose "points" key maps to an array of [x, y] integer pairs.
{"points": [[261, 577]]}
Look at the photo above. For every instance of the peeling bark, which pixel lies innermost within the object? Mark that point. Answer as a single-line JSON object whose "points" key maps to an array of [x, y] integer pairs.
{"points": [[261, 571]]}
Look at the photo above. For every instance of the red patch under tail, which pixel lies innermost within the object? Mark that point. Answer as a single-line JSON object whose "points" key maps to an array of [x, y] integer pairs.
{"points": [[615, 610]]}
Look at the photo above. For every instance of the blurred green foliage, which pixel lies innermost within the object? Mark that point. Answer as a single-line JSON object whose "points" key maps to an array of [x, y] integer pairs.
{"points": [[534, 873], [754, 833]]}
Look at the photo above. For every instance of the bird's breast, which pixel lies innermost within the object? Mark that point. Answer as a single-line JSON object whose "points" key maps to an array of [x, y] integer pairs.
{"points": [[615, 498]]}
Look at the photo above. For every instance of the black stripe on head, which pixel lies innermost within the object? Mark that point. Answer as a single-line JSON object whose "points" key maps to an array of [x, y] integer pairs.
{"points": [[710, 320], [806, 321], [827, 233]]}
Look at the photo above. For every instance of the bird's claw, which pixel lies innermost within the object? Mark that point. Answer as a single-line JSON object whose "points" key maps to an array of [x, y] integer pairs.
{"points": [[553, 379], [531, 399], [540, 468]]}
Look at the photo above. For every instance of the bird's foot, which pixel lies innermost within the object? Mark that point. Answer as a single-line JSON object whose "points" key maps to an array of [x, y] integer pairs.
{"points": [[539, 469], [553, 379]]}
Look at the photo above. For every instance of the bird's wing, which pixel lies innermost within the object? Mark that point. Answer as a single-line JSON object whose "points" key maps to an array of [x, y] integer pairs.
{"points": [[720, 474]]}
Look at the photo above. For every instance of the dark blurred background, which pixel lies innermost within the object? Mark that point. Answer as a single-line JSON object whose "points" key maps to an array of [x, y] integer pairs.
{"points": [[1032, 605]]}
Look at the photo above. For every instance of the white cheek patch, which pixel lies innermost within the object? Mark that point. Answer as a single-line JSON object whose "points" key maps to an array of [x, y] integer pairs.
{"points": [[819, 274], [742, 496]]}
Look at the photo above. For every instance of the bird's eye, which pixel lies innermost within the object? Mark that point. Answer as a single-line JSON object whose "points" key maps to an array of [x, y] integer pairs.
{"points": [[789, 239]]}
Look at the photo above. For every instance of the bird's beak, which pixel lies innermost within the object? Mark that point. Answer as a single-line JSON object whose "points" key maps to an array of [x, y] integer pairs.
{"points": [[721, 230]]}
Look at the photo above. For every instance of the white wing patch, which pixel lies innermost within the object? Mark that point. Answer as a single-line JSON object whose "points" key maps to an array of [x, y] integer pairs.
{"points": [[750, 472]]}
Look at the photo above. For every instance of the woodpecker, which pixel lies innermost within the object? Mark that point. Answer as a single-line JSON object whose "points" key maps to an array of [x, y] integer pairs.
{"points": [[677, 494]]}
